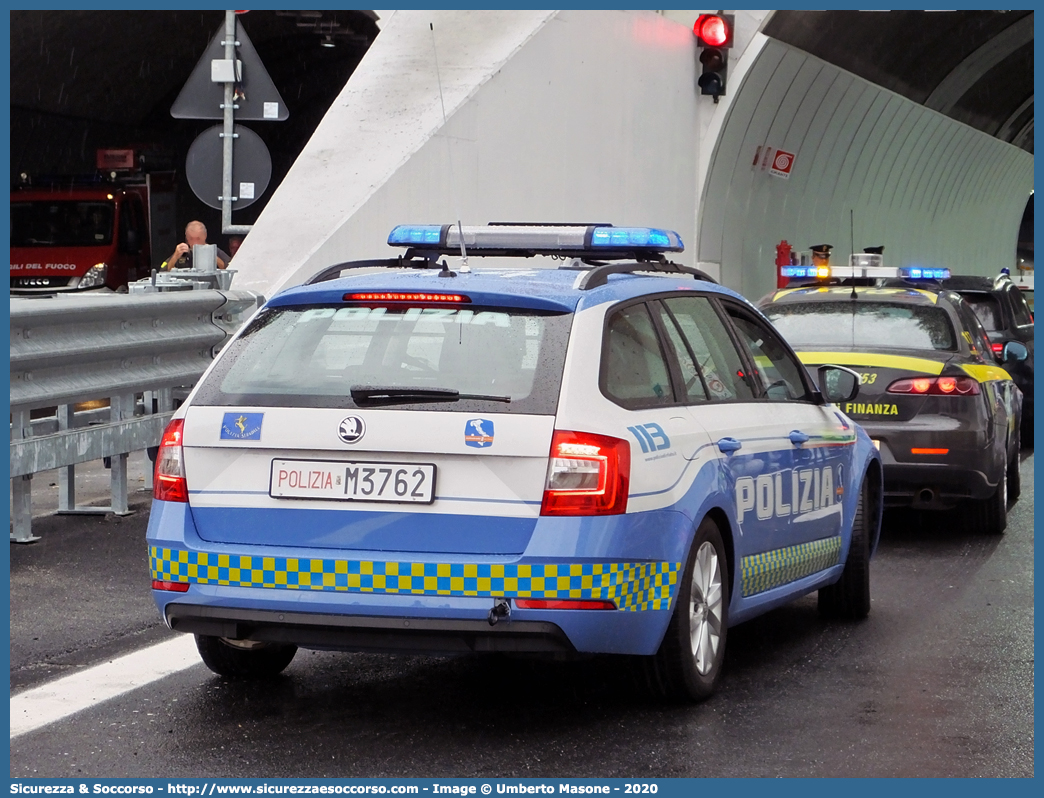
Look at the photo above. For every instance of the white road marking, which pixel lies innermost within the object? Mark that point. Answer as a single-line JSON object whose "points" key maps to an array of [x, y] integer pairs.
{"points": [[71, 694]]}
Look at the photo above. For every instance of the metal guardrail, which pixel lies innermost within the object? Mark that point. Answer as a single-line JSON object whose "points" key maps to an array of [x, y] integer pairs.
{"points": [[67, 350]]}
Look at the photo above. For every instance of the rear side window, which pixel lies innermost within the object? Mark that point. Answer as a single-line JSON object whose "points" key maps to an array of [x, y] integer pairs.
{"points": [[1023, 314], [694, 386], [716, 355], [987, 308], [976, 334], [1027, 294], [314, 357], [634, 372]]}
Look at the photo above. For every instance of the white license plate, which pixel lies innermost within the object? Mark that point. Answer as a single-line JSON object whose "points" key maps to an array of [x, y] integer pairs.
{"points": [[412, 483]]}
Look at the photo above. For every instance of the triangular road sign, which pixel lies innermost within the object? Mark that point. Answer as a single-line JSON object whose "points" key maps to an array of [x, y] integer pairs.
{"points": [[201, 98]]}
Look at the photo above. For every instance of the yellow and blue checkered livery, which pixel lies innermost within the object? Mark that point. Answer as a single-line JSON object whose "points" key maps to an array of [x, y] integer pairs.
{"points": [[770, 569], [632, 586]]}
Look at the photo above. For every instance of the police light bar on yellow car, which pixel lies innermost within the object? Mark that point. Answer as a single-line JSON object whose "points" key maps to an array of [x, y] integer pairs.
{"points": [[529, 239], [836, 273]]}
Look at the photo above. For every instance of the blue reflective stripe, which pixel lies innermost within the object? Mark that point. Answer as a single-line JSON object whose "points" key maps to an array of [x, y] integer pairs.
{"points": [[488, 501], [228, 493], [392, 505]]}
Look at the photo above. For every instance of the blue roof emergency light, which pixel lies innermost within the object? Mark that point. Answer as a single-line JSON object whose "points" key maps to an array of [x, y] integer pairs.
{"points": [[578, 240], [416, 234], [918, 273]]}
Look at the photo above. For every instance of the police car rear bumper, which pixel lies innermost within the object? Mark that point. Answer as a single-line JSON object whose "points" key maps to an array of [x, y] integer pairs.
{"points": [[295, 592], [937, 486], [934, 462], [933, 481], [369, 633]]}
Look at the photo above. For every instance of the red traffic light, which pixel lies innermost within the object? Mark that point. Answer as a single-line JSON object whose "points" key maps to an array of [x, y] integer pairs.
{"points": [[712, 30]]}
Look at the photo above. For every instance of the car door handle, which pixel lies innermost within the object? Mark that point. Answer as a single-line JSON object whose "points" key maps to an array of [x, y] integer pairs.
{"points": [[797, 437], [727, 445]]}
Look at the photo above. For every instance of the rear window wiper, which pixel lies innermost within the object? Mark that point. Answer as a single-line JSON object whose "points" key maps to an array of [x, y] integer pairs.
{"points": [[368, 395]]}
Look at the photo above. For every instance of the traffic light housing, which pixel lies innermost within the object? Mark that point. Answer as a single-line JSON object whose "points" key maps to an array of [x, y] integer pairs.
{"points": [[714, 33]]}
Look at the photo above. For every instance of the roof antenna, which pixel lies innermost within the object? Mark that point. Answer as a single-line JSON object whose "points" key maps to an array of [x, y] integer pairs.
{"points": [[464, 268]]}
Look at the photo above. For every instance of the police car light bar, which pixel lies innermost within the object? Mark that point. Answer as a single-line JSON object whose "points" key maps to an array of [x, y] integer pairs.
{"points": [[865, 272], [594, 240], [917, 273]]}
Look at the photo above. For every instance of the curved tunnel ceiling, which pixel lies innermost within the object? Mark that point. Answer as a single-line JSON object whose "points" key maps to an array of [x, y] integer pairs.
{"points": [[974, 66], [863, 166]]}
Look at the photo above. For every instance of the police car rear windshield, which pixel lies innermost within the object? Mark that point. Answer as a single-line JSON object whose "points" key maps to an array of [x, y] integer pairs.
{"points": [[863, 325], [496, 360]]}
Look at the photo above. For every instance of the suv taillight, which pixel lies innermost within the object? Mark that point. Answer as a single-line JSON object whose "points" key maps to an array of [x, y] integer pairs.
{"points": [[587, 475], [936, 386], [168, 482]]}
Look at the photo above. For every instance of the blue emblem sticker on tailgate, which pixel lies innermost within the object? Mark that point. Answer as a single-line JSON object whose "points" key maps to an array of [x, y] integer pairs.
{"points": [[478, 432], [241, 426]]}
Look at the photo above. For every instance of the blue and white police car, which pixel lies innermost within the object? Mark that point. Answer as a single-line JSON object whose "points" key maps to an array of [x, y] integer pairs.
{"points": [[608, 456]]}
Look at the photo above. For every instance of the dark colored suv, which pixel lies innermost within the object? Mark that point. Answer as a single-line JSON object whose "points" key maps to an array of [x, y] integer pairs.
{"points": [[1005, 314]]}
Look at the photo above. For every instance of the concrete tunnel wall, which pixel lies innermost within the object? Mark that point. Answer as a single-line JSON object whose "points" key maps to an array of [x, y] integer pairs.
{"points": [[552, 116], [933, 191]]}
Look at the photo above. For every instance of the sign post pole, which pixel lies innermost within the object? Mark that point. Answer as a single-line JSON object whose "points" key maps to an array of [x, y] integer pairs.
{"points": [[229, 135], [229, 82]]}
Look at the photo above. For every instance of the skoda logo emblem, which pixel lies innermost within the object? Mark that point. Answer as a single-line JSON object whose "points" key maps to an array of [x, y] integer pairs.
{"points": [[351, 429]]}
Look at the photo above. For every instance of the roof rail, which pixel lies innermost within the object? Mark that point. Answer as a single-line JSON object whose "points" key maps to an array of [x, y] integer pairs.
{"points": [[599, 275], [402, 262]]}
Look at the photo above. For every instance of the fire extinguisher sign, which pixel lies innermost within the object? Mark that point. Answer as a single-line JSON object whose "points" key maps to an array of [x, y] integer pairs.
{"points": [[782, 163]]}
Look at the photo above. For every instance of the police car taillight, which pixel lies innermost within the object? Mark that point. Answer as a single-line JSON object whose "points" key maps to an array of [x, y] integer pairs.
{"points": [[168, 483], [936, 386], [587, 474]]}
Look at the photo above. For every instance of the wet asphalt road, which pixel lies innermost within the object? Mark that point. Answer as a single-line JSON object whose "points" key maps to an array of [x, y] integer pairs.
{"points": [[938, 681]]}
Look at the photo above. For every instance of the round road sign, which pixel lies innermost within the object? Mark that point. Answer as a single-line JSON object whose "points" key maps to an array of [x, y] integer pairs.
{"points": [[251, 167]]}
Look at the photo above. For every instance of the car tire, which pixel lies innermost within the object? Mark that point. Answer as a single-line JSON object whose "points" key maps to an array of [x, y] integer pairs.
{"points": [[991, 515], [244, 659], [849, 597], [1015, 475], [688, 665]]}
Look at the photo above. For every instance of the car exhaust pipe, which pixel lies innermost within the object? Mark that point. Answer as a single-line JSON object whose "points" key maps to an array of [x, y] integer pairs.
{"points": [[926, 496]]}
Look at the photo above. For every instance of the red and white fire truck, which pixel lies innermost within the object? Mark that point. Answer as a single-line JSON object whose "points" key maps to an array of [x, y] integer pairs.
{"points": [[97, 232]]}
